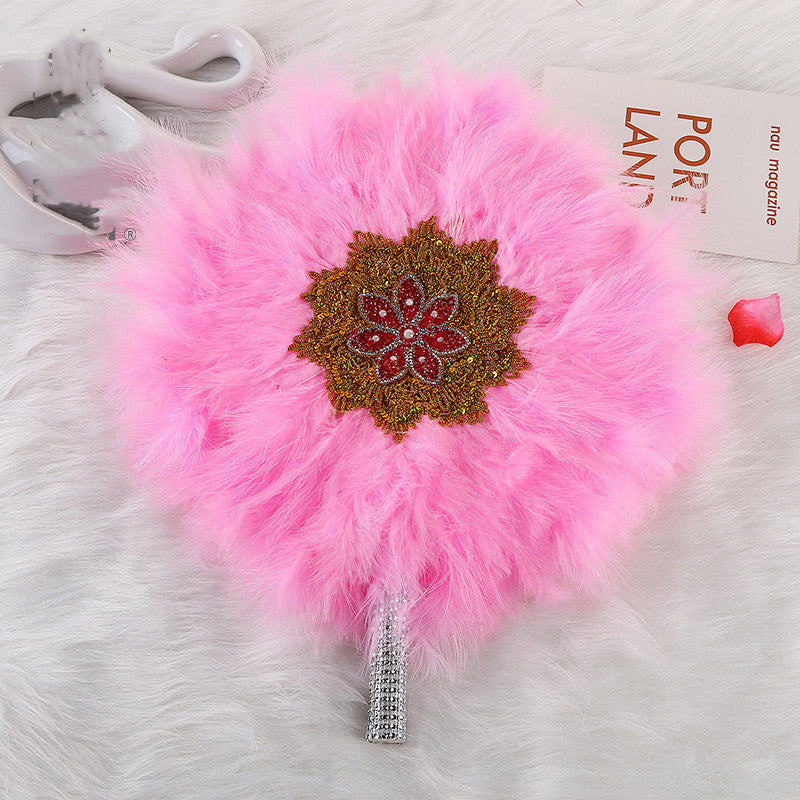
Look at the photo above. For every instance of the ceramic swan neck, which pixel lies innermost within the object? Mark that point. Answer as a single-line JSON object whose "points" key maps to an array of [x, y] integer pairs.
{"points": [[76, 60], [161, 79], [55, 194]]}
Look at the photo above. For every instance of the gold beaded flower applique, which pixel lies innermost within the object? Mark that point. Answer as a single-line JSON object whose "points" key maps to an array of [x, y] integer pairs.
{"points": [[387, 348]]}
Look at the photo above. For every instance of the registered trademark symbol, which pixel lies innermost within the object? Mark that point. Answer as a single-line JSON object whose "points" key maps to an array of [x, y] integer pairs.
{"points": [[130, 234]]}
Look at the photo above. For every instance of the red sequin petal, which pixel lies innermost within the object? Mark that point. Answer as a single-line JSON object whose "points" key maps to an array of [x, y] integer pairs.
{"points": [[392, 364], [445, 340], [410, 297], [439, 311], [425, 364], [370, 341], [378, 310], [757, 321]]}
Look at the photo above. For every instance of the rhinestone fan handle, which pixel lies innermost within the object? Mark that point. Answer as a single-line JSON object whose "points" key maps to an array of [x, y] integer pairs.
{"points": [[388, 672]]}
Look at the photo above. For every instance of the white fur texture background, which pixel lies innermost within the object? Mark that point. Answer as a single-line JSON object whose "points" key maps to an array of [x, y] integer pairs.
{"points": [[128, 670]]}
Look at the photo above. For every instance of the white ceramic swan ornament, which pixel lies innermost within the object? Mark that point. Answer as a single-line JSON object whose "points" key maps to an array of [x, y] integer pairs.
{"points": [[55, 194]]}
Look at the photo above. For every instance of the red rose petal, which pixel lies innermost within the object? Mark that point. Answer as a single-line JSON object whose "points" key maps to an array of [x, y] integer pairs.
{"points": [[757, 321]]}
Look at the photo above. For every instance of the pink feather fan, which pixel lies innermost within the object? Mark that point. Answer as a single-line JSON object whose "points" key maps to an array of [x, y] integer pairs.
{"points": [[406, 357]]}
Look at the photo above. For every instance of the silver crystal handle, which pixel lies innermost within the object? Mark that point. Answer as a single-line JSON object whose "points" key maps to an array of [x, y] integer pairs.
{"points": [[388, 672]]}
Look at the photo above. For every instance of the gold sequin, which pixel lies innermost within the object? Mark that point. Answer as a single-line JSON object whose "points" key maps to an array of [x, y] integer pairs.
{"points": [[488, 314]]}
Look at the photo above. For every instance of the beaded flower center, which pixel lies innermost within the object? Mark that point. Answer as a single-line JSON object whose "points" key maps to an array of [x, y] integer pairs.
{"points": [[387, 348], [408, 334]]}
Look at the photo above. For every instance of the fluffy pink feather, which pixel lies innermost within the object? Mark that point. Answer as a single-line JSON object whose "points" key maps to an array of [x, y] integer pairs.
{"points": [[321, 513]]}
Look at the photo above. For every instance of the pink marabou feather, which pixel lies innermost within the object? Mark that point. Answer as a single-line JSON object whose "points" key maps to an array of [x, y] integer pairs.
{"points": [[320, 513]]}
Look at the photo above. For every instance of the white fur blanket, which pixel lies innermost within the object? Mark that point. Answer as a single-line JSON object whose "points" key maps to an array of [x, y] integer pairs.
{"points": [[129, 670]]}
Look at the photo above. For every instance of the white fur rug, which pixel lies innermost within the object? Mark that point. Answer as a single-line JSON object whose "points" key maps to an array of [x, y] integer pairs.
{"points": [[128, 670]]}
